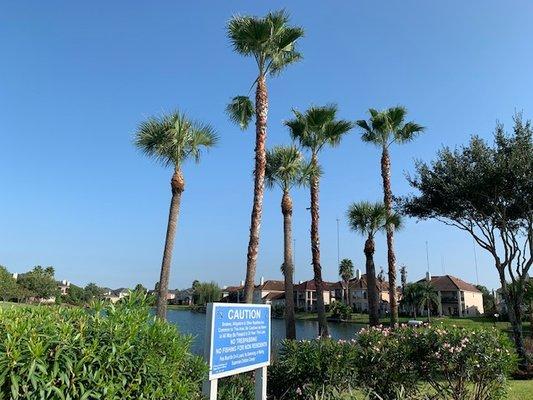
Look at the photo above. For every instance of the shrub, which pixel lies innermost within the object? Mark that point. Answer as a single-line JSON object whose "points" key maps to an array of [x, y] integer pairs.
{"points": [[237, 387], [457, 363], [341, 311], [106, 352], [304, 368]]}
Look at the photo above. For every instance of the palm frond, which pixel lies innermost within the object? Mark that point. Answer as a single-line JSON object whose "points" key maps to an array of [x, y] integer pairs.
{"points": [[366, 217], [285, 167], [408, 132], [241, 111], [173, 138]]}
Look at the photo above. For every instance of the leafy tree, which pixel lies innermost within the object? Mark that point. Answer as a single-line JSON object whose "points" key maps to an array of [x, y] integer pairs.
{"points": [[173, 139], [93, 292], [486, 191], [368, 219], [39, 283], [384, 129], [286, 168], [489, 304], [346, 269], [316, 128], [206, 292], [8, 285], [140, 288], [271, 42], [75, 295]]}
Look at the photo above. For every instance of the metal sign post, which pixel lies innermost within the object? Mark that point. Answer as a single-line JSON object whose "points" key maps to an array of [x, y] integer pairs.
{"points": [[237, 340]]}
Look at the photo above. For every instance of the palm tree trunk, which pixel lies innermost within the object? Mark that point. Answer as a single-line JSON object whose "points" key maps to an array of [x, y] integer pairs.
{"points": [[371, 282], [391, 256], [261, 111], [177, 185], [288, 267], [315, 250]]}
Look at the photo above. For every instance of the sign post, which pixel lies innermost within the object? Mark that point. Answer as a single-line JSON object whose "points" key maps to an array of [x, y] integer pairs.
{"points": [[237, 341]]}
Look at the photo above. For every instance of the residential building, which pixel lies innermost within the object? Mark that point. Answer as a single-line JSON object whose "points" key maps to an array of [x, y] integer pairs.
{"points": [[305, 295], [358, 293], [455, 296], [267, 290]]}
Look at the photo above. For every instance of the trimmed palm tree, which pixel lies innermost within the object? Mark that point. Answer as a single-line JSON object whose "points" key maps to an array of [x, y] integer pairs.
{"points": [[346, 273], [383, 129], [286, 168], [316, 128], [172, 139], [368, 219], [427, 296], [271, 42]]}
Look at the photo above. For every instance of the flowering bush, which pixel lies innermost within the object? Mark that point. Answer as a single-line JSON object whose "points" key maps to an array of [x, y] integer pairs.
{"points": [[306, 367], [452, 363]]}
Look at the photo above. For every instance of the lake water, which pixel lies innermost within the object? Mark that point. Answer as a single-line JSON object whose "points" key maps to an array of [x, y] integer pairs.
{"points": [[194, 323]]}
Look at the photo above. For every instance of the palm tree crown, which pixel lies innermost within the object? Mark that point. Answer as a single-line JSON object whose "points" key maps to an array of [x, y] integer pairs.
{"points": [[346, 269], [269, 40], [173, 138], [317, 127], [369, 218], [286, 168], [388, 126]]}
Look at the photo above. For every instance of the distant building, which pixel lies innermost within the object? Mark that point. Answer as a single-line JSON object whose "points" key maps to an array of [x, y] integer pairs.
{"points": [[267, 290], [63, 287], [115, 295], [305, 295], [358, 293], [456, 297]]}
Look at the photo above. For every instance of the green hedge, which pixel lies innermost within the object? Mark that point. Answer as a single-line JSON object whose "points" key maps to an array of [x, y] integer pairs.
{"points": [[450, 363], [105, 352]]}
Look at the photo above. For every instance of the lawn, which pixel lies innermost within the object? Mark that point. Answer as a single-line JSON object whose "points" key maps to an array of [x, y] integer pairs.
{"points": [[521, 390], [467, 322]]}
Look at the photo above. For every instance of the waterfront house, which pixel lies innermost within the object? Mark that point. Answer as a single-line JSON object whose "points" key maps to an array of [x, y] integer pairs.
{"points": [[267, 290], [305, 295], [358, 294], [455, 296]]}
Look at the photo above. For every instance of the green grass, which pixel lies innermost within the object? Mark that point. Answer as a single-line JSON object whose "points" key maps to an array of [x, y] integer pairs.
{"points": [[521, 390], [178, 307], [466, 322]]}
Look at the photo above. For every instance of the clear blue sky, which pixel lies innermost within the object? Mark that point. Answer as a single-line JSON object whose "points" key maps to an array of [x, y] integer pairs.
{"points": [[77, 77]]}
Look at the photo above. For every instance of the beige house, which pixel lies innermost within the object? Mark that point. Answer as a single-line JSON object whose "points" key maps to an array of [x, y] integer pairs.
{"points": [[358, 294], [267, 290], [456, 297], [305, 296]]}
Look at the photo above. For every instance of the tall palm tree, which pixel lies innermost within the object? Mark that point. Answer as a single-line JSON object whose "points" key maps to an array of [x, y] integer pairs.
{"points": [[271, 42], [346, 273], [427, 296], [172, 139], [314, 129], [383, 129], [286, 168], [368, 219]]}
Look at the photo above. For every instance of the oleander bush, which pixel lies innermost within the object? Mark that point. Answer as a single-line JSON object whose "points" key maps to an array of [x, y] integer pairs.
{"points": [[304, 368], [104, 352], [405, 363]]}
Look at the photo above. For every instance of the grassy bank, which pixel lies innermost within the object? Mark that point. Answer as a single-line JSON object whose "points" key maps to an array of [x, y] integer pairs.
{"points": [[470, 322]]}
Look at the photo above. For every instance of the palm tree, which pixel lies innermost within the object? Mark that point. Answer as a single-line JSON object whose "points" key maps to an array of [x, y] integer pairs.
{"points": [[427, 297], [272, 44], [383, 129], [314, 129], [411, 297], [367, 219], [172, 139], [346, 273], [286, 168]]}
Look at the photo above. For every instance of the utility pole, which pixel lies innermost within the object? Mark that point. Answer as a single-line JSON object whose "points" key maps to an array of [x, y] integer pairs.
{"points": [[475, 261], [427, 255], [338, 245]]}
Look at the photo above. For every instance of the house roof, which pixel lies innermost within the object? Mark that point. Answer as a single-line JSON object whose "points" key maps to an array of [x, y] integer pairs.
{"points": [[230, 289], [449, 282], [310, 285], [273, 285], [274, 296], [362, 283]]}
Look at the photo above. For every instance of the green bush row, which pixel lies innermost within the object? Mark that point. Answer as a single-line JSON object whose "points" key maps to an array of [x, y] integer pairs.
{"points": [[452, 363], [105, 352]]}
